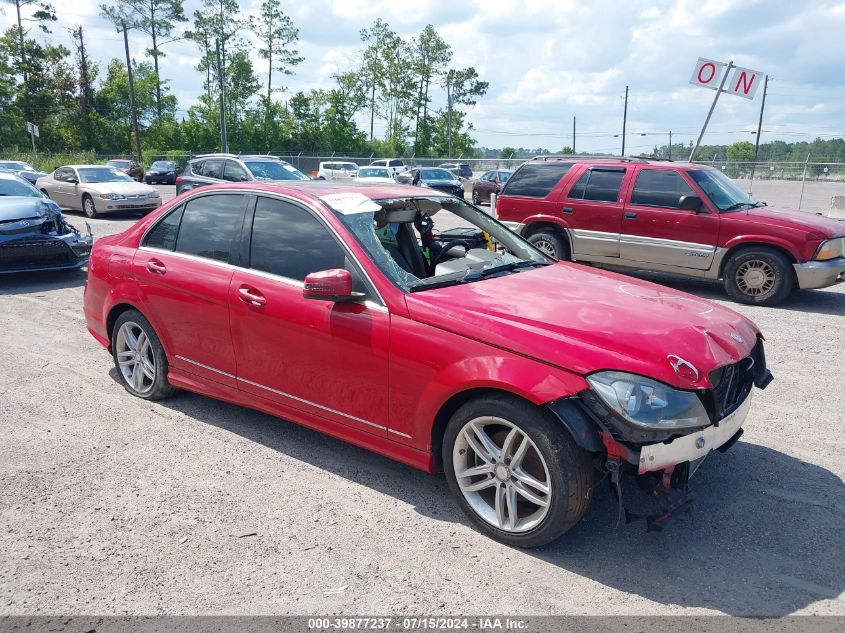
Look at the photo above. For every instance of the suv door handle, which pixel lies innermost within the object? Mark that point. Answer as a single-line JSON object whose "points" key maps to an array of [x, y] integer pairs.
{"points": [[250, 295], [156, 267], [630, 215], [568, 210]]}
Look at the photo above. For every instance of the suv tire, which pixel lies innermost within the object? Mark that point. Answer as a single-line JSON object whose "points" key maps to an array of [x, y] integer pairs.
{"points": [[758, 276], [551, 243], [520, 477]]}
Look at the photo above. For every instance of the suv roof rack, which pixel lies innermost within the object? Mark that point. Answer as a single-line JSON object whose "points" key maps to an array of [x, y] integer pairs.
{"points": [[215, 155], [259, 156], [614, 159]]}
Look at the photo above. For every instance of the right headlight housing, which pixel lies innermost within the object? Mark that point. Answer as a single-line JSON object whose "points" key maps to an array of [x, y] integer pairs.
{"points": [[831, 249], [649, 404]]}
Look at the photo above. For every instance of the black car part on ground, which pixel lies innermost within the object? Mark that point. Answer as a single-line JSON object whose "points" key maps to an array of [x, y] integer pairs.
{"points": [[34, 235]]}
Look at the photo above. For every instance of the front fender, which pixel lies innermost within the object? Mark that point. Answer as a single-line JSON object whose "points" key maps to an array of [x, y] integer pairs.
{"points": [[765, 240]]}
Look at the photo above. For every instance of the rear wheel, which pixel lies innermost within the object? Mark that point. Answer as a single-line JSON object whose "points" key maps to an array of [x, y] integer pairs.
{"points": [[139, 357], [517, 475], [551, 243], [758, 276], [88, 206], [476, 199]]}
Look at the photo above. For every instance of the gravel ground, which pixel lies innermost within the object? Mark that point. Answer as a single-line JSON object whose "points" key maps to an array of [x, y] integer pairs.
{"points": [[113, 505]]}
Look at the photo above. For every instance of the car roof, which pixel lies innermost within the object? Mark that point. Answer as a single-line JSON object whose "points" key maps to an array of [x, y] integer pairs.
{"points": [[79, 166], [618, 160], [317, 189]]}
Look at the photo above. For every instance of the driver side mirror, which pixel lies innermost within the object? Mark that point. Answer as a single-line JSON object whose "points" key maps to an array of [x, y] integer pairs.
{"points": [[691, 203], [330, 285], [71, 179]]}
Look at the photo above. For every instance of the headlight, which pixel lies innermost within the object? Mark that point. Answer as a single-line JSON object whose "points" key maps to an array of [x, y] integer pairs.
{"points": [[647, 403], [831, 249], [154, 194], [113, 196]]}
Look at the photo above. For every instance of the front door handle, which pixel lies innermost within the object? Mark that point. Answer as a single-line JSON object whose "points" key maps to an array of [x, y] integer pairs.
{"points": [[253, 297], [568, 210], [630, 215], [156, 267]]}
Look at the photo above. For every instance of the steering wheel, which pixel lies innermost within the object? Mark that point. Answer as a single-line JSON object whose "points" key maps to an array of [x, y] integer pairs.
{"points": [[446, 248]]}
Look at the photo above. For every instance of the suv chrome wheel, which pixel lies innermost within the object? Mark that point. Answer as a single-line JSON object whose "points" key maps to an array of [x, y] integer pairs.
{"points": [[502, 474], [135, 357]]}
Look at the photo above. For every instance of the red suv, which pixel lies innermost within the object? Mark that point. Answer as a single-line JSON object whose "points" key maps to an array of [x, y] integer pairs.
{"points": [[413, 324], [673, 217]]}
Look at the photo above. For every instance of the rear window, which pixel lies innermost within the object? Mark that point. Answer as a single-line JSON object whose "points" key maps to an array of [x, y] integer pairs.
{"points": [[598, 184], [209, 226], [164, 234], [536, 180]]}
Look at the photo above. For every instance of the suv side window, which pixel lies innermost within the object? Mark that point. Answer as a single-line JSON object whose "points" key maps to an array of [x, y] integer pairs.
{"points": [[195, 168], [164, 233], [660, 188], [234, 172], [536, 180], [210, 224], [599, 184], [397, 163], [288, 241], [213, 168]]}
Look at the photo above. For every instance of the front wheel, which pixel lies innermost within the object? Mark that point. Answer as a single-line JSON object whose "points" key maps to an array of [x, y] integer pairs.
{"points": [[551, 244], [88, 206], [758, 276], [518, 475], [476, 199]]}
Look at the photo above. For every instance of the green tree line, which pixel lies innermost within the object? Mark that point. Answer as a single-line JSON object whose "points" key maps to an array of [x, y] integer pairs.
{"points": [[407, 85]]}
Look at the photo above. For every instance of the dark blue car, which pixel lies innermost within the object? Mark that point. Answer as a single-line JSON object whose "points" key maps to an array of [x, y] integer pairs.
{"points": [[33, 232]]}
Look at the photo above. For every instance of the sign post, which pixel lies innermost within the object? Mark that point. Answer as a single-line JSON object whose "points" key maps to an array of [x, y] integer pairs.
{"points": [[705, 75], [33, 132]]}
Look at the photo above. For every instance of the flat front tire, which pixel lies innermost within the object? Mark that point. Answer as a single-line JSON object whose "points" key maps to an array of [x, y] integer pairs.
{"points": [[515, 472], [758, 276], [139, 357]]}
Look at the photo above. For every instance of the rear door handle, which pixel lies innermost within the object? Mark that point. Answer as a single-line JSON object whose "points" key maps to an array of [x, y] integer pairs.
{"points": [[156, 267], [630, 215], [568, 210], [253, 297]]}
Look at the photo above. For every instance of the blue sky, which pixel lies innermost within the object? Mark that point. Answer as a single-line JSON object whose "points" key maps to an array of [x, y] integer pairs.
{"points": [[550, 60]]}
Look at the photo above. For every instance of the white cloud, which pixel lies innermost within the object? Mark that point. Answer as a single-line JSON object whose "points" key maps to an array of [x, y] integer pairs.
{"points": [[547, 61]]}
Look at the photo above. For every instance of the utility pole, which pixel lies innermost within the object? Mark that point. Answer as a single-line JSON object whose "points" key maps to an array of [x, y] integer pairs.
{"points": [[573, 135], [712, 107], [133, 114], [224, 140], [624, 120], [759, 128], [670, 144]]}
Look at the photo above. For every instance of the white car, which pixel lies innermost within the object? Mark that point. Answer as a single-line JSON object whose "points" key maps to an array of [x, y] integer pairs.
{"points": [[376, 175], [395, 165], [333, 170]]}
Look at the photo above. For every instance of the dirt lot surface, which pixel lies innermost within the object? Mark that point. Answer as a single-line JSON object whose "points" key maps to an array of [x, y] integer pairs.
{"points": [[113, 505]]}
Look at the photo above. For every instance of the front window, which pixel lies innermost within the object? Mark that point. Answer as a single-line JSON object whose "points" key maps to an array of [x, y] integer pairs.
{"points": [[18, 188], [429, 242], [436, 174], [721, 190], [373, 172], [102, 174], [274, 170]]}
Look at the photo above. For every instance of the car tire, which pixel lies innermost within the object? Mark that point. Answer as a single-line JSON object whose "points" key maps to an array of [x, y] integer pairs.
{"points": [[758, 276], [141, 365], [528, 503], [551, 243], [88, 207], [476, 199]]}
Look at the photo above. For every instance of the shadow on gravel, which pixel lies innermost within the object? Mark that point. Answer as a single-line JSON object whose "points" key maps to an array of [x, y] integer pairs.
{"points": [[29, 283], [824, 301], [765, 536]]}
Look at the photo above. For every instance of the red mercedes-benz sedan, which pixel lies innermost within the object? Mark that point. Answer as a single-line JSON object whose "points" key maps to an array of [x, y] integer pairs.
{"points": [[412, 323]]}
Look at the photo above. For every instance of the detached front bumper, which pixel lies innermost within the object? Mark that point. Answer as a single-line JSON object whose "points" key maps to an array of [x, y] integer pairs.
{"points": [[696, 445], [822, 274]]}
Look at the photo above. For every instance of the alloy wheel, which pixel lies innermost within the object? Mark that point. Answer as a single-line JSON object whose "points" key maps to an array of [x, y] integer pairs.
{"points": [[88, 207], [546, 247], [135, 357], [502, 474], [756, 277]]}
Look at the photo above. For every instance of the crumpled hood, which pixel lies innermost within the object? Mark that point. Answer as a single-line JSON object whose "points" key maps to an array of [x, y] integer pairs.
{"points": [[800, 220], [21, 208], [584, 320]]}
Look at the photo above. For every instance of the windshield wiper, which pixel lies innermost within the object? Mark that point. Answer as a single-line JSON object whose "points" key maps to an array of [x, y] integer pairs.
{"points": [[435, 284], [738, 205], [472, 275], [761, 204]]}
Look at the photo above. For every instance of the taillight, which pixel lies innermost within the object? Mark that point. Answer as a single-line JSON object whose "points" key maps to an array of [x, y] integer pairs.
{"points": [[178, 180]]}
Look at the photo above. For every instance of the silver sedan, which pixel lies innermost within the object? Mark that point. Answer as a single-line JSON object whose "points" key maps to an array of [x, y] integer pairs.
{"points": [[93, 189]]}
